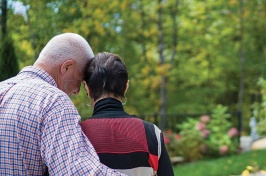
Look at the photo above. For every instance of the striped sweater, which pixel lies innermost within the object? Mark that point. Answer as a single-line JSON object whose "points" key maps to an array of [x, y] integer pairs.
{"points": [[125, 142]]}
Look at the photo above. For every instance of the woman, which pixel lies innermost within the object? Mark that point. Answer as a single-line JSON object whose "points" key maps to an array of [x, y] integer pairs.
{"points": [[122, 141]]}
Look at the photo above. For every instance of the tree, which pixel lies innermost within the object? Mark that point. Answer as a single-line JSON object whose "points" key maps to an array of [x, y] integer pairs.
{"points": [[8, 59], [196, 67], [4, 17], [242, 61]]}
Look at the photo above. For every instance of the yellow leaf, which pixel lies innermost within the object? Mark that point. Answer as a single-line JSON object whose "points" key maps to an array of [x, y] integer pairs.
{"points": [[145, 71], [250, 168], [233, 2], [156, 82], [163, 69], [124, 5], [245, 173], [72, 10]]}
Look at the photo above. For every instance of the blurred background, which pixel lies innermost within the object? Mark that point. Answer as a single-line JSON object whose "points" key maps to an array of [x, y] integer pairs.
{"points": [[186, 58], [197, 67]]}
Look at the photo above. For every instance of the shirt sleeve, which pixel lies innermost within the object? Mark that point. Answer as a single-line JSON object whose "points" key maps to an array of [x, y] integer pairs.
{"points": [[64, 148], [165, 166]]}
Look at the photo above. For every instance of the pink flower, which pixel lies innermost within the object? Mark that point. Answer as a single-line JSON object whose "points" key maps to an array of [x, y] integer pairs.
{"points": [[205, 118], [205, 133], [223, 149], [166, 140], [232, 132], [177, 136], [168, 131], [200, 126]]}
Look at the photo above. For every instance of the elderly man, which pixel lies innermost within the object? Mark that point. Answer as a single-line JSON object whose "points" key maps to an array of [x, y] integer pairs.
{"points": [[39, 125]]}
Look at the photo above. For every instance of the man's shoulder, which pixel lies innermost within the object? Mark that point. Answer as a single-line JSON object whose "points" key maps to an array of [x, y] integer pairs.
{"points": [[43, 85], [37, 85], [35, 88]]}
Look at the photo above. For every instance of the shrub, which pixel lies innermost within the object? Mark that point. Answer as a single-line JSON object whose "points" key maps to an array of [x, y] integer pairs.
{"points": [[259, 109], [208, 136], [222, 138], [172, 143], [191, 140]]}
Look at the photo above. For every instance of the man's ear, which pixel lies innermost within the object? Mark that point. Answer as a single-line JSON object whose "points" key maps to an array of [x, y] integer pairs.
{"points": [[66, 66]]}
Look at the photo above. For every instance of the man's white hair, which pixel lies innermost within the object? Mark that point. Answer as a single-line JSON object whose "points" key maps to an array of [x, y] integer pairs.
{"points": [[66, 46]]}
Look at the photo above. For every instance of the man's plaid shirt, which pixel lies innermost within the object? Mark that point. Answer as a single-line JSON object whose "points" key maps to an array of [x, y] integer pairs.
{"points": [[39, 127]]}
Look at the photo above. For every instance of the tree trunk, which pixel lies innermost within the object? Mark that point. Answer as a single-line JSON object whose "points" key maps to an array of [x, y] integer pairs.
{"points": [[175, 34], [163, 86], [143, 26], [8, 59], [162, 61], [242, 61]]}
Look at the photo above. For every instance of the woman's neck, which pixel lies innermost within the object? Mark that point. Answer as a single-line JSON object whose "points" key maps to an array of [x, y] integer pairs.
{"points": [[105, 96]]}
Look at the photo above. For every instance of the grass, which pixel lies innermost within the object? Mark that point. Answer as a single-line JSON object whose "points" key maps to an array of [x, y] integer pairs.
{"points": [[225, 166]]}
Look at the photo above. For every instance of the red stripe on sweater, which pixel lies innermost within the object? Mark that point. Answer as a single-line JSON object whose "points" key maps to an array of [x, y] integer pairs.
{"points": [[153, 160], [116, 135]]}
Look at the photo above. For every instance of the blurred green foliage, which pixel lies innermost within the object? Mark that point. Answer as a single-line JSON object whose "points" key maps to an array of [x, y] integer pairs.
{"points": [[8, 59], [208, 136], [259, 108], [205, 70]]}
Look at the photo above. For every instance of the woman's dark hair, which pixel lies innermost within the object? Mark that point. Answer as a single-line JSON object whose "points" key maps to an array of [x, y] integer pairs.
{"points": [[106, 74]]}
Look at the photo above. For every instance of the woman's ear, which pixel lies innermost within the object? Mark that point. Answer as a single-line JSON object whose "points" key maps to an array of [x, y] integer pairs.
{"points": [[87, 89], [126, 87]]}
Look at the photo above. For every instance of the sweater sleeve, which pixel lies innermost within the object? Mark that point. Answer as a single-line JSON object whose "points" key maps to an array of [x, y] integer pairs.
{"points": [[165, 167]]}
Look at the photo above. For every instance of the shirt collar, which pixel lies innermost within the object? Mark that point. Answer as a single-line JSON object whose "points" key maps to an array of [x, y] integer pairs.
{"points": [[108, 107], [37, 72]]}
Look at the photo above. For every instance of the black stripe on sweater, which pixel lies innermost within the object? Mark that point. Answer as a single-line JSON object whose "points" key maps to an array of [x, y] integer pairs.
{"points": [[125, 161]]}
